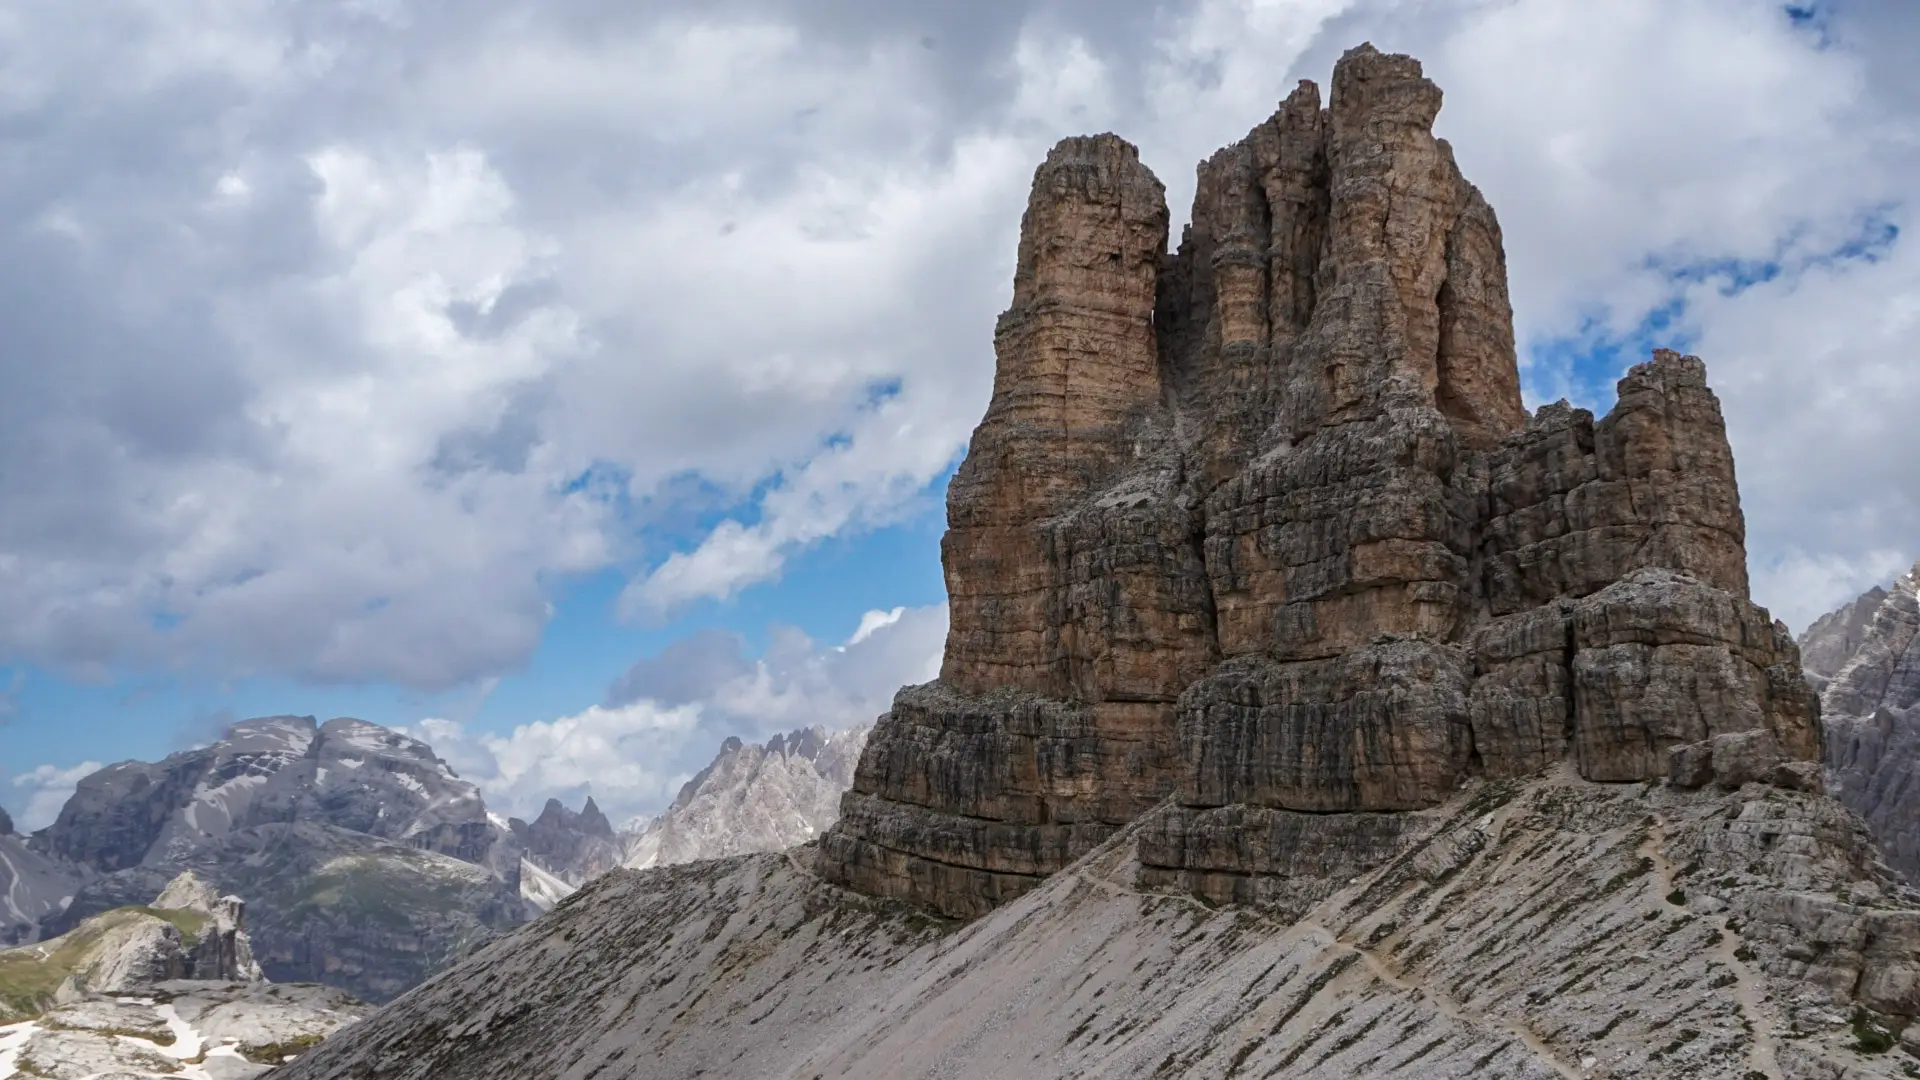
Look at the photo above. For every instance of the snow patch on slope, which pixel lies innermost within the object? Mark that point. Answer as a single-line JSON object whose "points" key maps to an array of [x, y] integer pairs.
{"points": [[541, 889]]}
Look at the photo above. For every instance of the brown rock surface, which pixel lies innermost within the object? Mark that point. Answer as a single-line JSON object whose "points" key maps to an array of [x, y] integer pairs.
{"points": [[1263, 526]]}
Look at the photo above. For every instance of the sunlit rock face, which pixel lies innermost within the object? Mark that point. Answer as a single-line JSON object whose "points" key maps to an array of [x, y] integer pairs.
{"points": [[1261, 526]]}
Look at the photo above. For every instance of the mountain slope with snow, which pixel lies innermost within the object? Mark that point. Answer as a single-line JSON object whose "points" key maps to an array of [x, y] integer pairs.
{"points": [[32, 886], [371, 862]]}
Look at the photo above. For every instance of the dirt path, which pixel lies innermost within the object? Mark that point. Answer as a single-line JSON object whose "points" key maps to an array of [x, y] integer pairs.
{"points": [[1747, 990]]}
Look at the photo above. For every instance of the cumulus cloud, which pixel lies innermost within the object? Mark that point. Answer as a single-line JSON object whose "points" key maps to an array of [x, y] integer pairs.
{"points": [[42, 792], [665, 717], [342, 334]]}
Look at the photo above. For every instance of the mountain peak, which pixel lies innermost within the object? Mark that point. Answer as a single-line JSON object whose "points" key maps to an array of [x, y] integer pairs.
{"points": [[1262, 525], [754, 798]]}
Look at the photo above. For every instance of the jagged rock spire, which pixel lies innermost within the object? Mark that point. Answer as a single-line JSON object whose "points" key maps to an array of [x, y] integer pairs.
{"points": [[1263, 525]]}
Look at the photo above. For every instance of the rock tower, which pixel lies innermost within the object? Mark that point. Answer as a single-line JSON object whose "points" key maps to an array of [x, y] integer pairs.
{"points": [[1262, 527]]}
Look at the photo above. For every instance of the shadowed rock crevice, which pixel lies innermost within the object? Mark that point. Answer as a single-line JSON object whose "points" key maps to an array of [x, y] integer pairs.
{"points": [[1261, 525]]}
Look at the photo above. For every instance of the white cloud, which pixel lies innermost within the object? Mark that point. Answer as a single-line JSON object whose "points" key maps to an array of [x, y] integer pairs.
{"points": [[378, 322], [616, 755], [45, 790], [633, 756], [1817, 369], [873, 621], [1619, 140]]}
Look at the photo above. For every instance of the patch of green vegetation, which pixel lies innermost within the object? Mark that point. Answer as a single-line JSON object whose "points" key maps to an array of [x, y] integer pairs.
{"points": [[29, 975], [1869, 1037], [1678, 898], [385, 892], [276, 1053], [191, 924]]}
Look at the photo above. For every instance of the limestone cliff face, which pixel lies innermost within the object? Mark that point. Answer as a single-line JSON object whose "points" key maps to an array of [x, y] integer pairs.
{"points": [[1834, 638], [1871, 651], [1263, 526]]}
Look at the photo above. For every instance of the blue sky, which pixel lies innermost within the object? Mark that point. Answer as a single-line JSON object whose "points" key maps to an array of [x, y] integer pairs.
{"points": [[446, 365]]}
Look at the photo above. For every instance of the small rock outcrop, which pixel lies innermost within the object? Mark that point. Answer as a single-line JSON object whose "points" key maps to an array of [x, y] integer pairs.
{"points": [[1869, 651], [1262, 527], [188, 932], [165, 989]]}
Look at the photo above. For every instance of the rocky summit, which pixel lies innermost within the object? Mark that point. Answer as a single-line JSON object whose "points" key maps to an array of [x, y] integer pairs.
{"points": [[754, 798], [573, 847], [370, 864], [1262, 527], [1867, 655], [1308, 709]]}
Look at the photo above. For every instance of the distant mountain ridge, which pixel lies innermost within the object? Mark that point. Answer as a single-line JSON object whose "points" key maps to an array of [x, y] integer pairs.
{"points": [[573, 846], [755, 798], [1865, 657], [370, 862]]}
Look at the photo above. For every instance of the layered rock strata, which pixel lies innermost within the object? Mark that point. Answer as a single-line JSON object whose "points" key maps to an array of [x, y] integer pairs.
{"points": [[1261, 526], [1546, 929]]}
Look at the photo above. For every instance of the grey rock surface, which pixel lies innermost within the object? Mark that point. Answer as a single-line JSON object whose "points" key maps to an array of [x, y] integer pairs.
{"points": [[180, 1030], [1546, 929], [750, 798], [370, 862], [330, 905], [1831, 641], [573, 846], [1871, 712], [33, 888]]}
